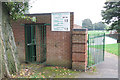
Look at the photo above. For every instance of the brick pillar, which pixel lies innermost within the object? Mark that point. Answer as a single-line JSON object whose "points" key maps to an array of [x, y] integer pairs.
{"points": [[79, 49]]}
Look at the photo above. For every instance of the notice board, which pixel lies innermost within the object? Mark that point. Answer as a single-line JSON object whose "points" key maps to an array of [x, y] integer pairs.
{"points": [[60, 21]]}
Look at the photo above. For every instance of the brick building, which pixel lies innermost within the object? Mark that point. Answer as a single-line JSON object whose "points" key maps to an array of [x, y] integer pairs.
{"points": [[77, 26], [37, 43]]}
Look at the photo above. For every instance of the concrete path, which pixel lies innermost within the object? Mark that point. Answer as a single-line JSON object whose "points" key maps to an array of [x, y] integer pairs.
{"points": [[106, 69]]}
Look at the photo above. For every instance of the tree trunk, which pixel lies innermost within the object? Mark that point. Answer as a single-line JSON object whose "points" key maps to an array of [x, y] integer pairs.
{"points": [[13, 54], [4, 55], [7, 43]]}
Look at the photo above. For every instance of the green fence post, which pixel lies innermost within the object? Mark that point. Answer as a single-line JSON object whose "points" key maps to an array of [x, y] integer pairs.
{"points": [[35, 43], [31, 56], [45, 42], [103, 46], [26, 47]]}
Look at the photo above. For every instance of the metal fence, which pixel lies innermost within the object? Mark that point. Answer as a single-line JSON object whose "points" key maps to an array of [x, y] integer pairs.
{"points": [[41, 43], [35, 40], [96, 47]]}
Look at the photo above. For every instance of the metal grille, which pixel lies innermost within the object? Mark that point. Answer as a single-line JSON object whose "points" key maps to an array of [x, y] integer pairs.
{"points": [[35, 42], [41, 43], [30, 43], [96, 47]]}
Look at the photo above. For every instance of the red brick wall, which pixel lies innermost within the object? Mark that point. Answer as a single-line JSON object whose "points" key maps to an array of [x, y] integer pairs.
{"points": [[19, 32], [59, 47], [58, 43], [67, 49], [79, 49]]}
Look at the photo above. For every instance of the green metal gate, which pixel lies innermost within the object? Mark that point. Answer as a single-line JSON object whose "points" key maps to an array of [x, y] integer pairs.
{"points": [[35, 42], [96, 47]]}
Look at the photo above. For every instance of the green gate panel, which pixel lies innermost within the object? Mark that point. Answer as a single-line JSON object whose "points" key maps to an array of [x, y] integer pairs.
{"points": [[30, 43], [41, 43], [35, 42], [96, 47]]}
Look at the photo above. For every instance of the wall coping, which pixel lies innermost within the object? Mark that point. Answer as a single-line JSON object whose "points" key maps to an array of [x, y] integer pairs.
{"points": [[37, 14], [79, 29]]}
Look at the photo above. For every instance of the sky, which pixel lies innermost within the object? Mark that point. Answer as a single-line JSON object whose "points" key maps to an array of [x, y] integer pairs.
{"points": [[82, 9]]}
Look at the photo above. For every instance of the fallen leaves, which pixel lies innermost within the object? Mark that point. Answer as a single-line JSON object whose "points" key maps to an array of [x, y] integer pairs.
{"points": [[35, 71]]}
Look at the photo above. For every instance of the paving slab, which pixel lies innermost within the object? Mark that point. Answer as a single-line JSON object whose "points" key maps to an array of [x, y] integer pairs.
{"points": [[106, 69]]}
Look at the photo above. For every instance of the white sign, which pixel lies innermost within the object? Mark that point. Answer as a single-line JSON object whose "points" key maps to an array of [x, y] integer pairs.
{"points": [[60, 21]]}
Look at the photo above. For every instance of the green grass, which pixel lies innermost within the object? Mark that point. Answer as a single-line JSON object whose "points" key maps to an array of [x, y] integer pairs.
{"points": [[110, 48], [57, 72], [97, 31], [40, 71], [96, 46]]}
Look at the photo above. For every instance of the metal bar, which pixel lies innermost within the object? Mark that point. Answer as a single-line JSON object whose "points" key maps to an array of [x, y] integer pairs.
{"points": [[103, 46], [44, 42], [32, 41], [35, 43], [94, 54], [31, 49], [26, 47], [90, 56], [88, 50], [40, 33], [35, 24], [96, 49], [29, 41], [30, 33], [40, 29], [47, 24]]}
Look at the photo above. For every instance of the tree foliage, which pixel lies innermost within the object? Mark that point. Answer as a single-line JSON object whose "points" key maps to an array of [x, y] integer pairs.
{"points": [[16, 10], [87, 23], [99, 26], [111, 15]]}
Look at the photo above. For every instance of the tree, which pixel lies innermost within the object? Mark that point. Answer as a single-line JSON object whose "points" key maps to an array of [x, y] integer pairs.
{"points": [[16, 10], [99, 26], [10, 11], [111, 15], [87, 23]]}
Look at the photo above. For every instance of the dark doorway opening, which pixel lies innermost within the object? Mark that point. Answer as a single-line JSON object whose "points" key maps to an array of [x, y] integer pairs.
{"points": [[35, 42]]}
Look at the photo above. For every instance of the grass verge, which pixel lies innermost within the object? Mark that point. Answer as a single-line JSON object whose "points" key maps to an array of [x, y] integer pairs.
{"points": [[40, 71], [98, 32], [110, 48]]}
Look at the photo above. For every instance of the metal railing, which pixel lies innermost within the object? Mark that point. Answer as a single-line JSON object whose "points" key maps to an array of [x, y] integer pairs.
{"points": [[96, 47]]}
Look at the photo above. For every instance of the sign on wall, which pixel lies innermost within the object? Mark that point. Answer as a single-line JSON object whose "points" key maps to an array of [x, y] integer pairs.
{"points": [[60, 21]]}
